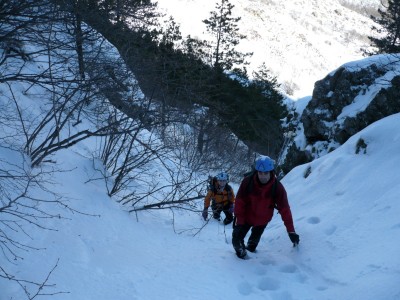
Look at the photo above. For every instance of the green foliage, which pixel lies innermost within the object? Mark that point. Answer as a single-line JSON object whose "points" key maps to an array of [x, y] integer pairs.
{"points": [[225, 30], [389, 19], [251, 114], [171, 34], [182, 77], [266, 85]]}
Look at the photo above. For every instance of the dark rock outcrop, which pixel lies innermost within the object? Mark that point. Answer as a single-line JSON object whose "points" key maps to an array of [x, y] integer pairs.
{"points": [[346, 101]]}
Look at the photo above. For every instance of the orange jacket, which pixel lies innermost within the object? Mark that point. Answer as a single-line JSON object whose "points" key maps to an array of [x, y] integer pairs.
{"points": [[220, 197]]}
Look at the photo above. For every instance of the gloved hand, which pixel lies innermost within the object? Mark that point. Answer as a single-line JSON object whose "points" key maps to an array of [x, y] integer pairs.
{"points": [[205, 214], [295, 238]]}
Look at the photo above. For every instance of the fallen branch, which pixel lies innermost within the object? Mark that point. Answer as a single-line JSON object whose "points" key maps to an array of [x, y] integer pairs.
{"points": [[160, 204]]}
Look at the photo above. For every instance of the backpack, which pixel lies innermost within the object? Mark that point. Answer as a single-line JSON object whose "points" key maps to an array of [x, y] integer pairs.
{"points": [[212, 181]]}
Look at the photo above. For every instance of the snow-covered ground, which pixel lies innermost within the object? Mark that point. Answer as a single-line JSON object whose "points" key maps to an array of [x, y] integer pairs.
{"points": [[345, 211], [345, 208]]}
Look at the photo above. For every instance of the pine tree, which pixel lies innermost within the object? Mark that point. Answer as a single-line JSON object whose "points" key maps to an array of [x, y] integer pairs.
{"points": [[224, 28], [389, 20]]}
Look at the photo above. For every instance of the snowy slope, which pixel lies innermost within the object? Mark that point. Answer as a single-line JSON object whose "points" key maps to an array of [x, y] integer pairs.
{"points": [[346, 212], [300, 41]]}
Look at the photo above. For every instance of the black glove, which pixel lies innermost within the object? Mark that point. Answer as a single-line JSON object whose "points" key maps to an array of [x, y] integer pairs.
{"points": [[295, 238], [205, 214]]}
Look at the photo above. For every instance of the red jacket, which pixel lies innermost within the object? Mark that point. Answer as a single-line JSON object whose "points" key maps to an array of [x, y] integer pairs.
{"points": [[255, 206]]}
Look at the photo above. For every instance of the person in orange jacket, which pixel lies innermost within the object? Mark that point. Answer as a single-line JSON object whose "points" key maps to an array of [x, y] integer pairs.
{"points": [[221, 197], [258, 195]]}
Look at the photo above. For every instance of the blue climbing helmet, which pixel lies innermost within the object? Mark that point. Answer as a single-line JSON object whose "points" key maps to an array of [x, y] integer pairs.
{"points": [[265, 164], [222, 177]]}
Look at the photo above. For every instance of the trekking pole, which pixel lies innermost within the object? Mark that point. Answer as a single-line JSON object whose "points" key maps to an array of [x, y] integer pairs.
{"points": [[226, 240]]}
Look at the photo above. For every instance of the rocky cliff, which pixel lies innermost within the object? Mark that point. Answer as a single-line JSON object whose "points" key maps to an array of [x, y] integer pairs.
{"points": [[344, 102]]}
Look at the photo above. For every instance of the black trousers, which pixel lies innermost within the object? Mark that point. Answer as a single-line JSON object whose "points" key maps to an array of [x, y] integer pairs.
{"points": [[217, 208], [240, 232]]}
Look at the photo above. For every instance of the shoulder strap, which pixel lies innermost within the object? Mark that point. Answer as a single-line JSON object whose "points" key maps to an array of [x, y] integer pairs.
{"points": [[229, 190], [274, 188], [212, 181], [250, 184], [273, 191]]}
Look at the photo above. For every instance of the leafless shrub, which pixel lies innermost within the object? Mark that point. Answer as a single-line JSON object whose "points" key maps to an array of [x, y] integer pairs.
{"points": [[24, 203]]}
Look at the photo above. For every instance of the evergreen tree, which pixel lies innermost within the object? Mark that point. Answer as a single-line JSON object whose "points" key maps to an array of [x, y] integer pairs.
{"points": [[224, 28], [389, 20], [137, 14], [267, 83]]}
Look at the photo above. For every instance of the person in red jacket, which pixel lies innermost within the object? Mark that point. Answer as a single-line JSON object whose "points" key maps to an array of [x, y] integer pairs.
{"points": [[256, 199]]}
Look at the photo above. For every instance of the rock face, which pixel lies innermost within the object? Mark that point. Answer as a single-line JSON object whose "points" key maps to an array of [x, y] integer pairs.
{"points": [[348, 100], [323, 119]]}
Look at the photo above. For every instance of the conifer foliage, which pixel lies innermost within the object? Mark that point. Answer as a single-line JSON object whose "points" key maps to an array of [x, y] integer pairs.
{"points": [[389, 19], [225, 30]]}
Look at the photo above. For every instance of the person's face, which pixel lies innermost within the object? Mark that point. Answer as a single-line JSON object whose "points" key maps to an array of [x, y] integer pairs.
{"points": [[221, 183], [264, 177]]}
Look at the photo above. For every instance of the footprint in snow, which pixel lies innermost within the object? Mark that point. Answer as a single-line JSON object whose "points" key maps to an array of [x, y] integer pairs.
{"points": [[244, 288], [282, 296], [396, 226], [260, 271], [313, 220], [268, 284], [288, 268], [330, 230], [293, 269], [267, 262]]}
